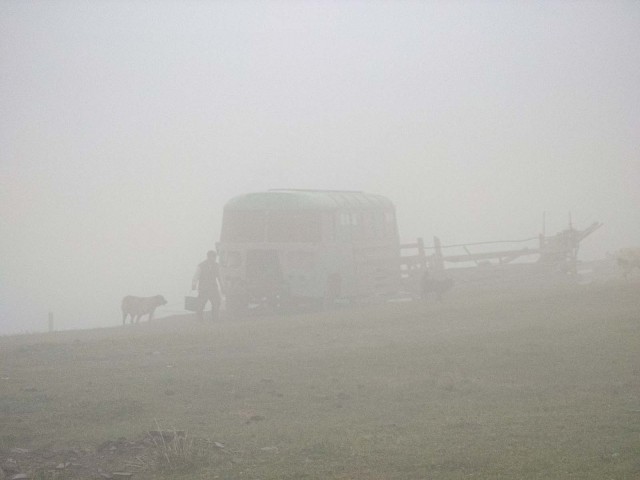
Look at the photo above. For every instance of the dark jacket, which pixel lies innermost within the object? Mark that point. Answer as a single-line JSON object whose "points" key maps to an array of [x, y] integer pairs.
{"points": [[207, 276]]}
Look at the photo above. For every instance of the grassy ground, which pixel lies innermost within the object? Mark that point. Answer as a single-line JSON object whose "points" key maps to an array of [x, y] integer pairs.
{"points": [[538, 384]]}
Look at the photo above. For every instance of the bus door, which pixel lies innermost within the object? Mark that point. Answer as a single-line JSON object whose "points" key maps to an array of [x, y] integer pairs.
{"points": [[263, 274]]}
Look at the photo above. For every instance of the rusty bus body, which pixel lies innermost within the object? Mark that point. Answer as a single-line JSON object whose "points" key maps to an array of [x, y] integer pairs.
{"points": [[307, 247]]}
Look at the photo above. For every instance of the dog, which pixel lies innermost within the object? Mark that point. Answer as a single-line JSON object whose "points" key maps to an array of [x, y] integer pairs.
{"points": [[137, 307]]}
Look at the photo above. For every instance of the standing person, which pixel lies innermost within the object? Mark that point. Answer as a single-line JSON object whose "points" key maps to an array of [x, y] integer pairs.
{"points": [[207, 280]]}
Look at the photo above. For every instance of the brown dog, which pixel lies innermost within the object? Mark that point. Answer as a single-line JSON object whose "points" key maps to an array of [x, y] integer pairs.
{"points": [[137, 307]]}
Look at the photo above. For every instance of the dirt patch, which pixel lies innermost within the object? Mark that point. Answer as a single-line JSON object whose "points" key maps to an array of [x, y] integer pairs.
{"points": [[114, 459]]}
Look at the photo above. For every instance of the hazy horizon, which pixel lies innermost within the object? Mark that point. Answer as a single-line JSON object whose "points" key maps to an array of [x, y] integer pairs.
{"points": [[128, 125]]}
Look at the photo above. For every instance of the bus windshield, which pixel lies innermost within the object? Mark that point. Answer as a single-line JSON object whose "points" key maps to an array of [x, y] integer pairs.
{"points": [[271, 226]]}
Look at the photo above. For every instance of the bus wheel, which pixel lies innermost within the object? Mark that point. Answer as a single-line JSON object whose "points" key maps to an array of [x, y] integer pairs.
{"points": [[236, 306]]}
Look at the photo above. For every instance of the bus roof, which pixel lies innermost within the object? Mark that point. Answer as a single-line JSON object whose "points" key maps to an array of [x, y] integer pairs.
{"points": [[308, 200]]}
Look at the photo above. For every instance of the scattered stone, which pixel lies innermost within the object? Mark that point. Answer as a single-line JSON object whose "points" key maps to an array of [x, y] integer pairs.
{"points": [[19, 450], [112, 460], [10, 467], [270, 449], [255, 418], [121, 475]]}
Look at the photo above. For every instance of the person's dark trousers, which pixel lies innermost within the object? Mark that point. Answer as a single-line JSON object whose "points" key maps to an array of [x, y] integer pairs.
{"points": [[213, 297]]}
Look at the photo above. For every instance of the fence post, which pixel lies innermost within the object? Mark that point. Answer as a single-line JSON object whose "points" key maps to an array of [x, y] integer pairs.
{"points": [[421, 254]]}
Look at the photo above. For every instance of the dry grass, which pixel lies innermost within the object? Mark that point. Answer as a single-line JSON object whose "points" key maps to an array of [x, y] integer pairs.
{"points": [[179, 453], [537, 384]]}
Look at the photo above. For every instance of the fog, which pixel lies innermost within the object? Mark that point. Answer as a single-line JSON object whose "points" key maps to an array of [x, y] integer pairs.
{"points": [[126, 127]]}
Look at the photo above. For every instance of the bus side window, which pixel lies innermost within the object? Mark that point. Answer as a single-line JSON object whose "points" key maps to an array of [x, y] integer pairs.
{"points": [[389, 222], [301, 261], [379, 224], [329, 228], [356, 226], [344, 227], [371, 225]]}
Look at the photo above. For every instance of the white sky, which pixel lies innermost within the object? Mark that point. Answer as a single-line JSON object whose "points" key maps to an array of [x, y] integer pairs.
{"points": [[126, 126]]}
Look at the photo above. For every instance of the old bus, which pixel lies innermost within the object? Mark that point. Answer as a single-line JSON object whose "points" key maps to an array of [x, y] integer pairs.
{"points": [[308, 246]]}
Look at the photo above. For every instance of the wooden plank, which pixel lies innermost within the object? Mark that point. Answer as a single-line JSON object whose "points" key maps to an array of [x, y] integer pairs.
{"points": [[490, 255]]}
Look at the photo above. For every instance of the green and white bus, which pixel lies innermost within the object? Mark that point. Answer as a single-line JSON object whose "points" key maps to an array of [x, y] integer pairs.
{"points": [[308, 247]]}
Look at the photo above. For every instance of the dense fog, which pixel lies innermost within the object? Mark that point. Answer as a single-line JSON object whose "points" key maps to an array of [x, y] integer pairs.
{"points": [[126, 127]]}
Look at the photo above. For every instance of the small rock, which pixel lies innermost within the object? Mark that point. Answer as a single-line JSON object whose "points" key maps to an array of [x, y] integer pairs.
{"points": [[269, 449], [106, 475], [121, 475], [10, 467], [20, 476], [61, 466], [168, 391], [19, 450], [218, 445]]}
